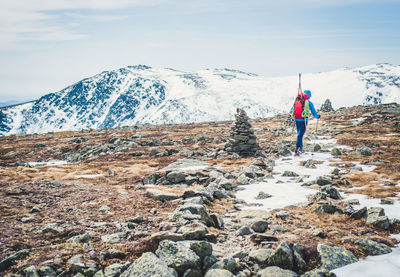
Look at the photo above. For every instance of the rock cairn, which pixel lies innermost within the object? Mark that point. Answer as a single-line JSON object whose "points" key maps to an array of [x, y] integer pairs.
{"points": [[242, 139], [327, 106]]}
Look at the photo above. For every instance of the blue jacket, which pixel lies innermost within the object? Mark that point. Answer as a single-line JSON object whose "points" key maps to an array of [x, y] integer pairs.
{"points": [[313, 111]]}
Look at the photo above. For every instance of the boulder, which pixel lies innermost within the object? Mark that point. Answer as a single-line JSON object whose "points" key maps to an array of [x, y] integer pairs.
{"points": [[161, 195], [319, 273], [178, 256], [176, 177], [334, 257], [260, 256], [372, 247], [218, 273], [31, 271], [282, 256], [327, 208], [148, 265], [359, 214], [263, 195], [332, 192], [152, 179], [244, 231], [227, 263], [259, 226], [336, 152], [190, 212], [376, 218], [324, 180], [163, 235], [274, 271], [194, 231], [363, 151], [13, 259], [299, 262]]}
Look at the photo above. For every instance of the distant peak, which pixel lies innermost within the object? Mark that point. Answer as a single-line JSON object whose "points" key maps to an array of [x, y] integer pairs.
{"points": [[139, 67]]}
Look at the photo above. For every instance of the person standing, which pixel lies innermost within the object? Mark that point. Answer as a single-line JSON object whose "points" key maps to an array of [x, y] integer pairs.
{"points": [[301, 110]]}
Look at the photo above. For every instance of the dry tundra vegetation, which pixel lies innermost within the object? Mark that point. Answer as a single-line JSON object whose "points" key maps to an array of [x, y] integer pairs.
{"points": [[103, 191]]}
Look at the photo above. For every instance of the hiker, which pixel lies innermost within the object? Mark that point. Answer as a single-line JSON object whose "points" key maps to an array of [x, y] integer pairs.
{"points": [[300, 112]]}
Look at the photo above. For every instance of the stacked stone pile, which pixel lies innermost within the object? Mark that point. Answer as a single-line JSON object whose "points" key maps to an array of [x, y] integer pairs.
{"points": [[242, 140], [327, 106]]}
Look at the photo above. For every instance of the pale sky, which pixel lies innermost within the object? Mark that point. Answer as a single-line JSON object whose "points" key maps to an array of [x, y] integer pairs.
{"points": [[46, 45]]}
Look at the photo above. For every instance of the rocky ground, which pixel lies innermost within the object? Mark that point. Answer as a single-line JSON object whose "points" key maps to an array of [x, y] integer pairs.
{"points": [[163, 200]]}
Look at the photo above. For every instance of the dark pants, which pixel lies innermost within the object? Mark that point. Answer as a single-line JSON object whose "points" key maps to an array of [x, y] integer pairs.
{"points": [[301, 129]]}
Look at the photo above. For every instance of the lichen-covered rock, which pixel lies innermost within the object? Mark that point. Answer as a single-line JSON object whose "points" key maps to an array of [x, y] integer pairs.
{"points": [[201, 248], [332, 192], [178, 256], [193, 273], [31, 271], [299, 262], [176, 177], [263, 195], [13, 259], [113, 270], [324, 180], [148, 265], [334, 257], [227, 263], [376, 217], [363, 151], [274, 271], [282, 256], [194, 231], [190, 212], [336, 152], [327, 208], [80, 238], [372, 247], [359, 214], [218, 273], [47, 271], [260, 256]]}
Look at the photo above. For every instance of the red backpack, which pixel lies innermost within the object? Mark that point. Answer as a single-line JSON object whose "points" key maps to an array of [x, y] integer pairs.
{"points": [[299, 105]]}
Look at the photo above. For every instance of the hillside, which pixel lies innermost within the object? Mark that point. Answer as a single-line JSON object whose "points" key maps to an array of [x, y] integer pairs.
{"points": [[92, 202], [144, 95]]}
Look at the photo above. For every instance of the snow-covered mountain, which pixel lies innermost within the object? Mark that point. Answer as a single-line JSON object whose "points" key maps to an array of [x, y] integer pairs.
{"points": [[141, 94]]}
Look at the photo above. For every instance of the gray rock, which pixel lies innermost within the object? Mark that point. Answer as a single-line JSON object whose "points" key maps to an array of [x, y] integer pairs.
{"points": [[244, 231], [161, 195], [274, 271], [376, 217], [324, 180], [289, 174], [80, 238], [152, 179], [201, 248], [218, 273], [334, 257], [317, 148], [47, 271], [327, 208], [319, 273], [53, 228], [31, 271], [336, 152], [176, 177], [299, 262], [282, 256], [77, 266], [104, 208], [194, 231], [114, 270], [209, 261], [263, 195], [112, 238], [363, 151], [13, 259], [252, 214], [193, 273], [190, 212], [318, 233], [148, 265], [260, 256], [166, 235], [259, 226], [178, 256], [372, 247], [282, 214], [332, 192], [360, 213], [227, 263]]}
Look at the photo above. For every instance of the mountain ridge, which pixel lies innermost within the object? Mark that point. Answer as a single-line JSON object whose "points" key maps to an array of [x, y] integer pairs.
{"points": [[141, 94]]}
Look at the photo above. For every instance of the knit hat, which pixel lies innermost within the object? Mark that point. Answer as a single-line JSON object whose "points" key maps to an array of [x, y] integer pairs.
{"points": [[308, 93]]}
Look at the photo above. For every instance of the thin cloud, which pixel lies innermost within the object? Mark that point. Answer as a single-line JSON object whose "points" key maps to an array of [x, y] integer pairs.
{"points": [[42, 20]]}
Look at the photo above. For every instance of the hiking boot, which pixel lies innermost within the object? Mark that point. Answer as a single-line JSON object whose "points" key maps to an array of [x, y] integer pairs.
{"points": [[297, 152], [301, 151]]}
